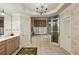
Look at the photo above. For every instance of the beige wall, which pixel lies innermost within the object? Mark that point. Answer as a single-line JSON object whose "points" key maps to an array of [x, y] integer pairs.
{"points": [[16, 24], [73, 12], [25, 31], [7, 25]]}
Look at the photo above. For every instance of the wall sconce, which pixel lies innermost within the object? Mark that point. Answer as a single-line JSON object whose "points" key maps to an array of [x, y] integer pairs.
{"points": [[2, 12]]}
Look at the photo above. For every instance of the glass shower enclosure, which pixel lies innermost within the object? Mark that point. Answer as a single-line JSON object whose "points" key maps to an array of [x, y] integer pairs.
{"points": [[55, 29]]}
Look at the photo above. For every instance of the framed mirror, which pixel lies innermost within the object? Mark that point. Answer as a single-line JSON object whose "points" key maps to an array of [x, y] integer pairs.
{"points": [[1, 25]]}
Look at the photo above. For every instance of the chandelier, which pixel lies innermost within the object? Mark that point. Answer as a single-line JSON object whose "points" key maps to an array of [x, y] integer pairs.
{"points": [[41, 9]]}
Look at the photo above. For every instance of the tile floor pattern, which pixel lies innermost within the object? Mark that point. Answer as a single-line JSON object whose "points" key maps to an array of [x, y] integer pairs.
{"points": [[45, 46]]}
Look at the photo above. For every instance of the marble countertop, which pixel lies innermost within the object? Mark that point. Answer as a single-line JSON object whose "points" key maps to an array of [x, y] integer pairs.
{"points": [[7, 37]]}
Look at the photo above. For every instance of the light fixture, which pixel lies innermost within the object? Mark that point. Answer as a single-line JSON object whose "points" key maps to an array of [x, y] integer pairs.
{"points": [[2, 12], [41, 9]]}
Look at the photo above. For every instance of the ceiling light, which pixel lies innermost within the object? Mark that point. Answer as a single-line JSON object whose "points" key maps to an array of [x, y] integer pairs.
{"points": [[41, 9]]}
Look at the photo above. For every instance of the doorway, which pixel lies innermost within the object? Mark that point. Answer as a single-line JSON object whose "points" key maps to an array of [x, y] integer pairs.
{"points": [[65, 33]]}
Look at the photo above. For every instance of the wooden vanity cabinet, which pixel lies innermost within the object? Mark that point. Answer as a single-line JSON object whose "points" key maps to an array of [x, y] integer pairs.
{"points": [[7, 47]]}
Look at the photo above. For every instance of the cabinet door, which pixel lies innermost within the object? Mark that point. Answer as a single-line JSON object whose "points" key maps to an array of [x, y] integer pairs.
{"points": [[2, 48], [10, 46], [16, 43]]}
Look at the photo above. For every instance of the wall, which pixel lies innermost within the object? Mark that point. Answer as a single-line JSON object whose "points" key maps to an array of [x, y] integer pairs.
{"points": [[75, 28], [7, 25], [73, 12], [25, 33], [16, 24]]}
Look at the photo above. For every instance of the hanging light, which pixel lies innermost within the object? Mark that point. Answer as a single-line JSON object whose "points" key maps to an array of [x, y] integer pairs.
{"points": [[41, 9]]}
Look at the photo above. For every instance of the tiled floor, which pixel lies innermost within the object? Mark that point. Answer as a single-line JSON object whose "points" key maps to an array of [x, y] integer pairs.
{"points": [[45, 47]]}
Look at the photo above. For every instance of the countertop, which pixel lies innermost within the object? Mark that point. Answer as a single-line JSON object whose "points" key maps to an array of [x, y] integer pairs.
{"points": [[7, 37]]}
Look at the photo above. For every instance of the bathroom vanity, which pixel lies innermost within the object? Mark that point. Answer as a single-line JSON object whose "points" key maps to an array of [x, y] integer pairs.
{"points": [[8, 45]]}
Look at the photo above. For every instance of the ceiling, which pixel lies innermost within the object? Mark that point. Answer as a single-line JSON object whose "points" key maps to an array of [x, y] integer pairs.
{"points": [[29, 8], [52, 7]]}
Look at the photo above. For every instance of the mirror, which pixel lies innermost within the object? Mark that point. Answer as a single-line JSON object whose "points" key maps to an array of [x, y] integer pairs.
{"points": [[1, 25]]}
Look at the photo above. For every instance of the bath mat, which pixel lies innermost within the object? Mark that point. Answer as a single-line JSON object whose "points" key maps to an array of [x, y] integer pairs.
{"points": [[27, 51]]}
